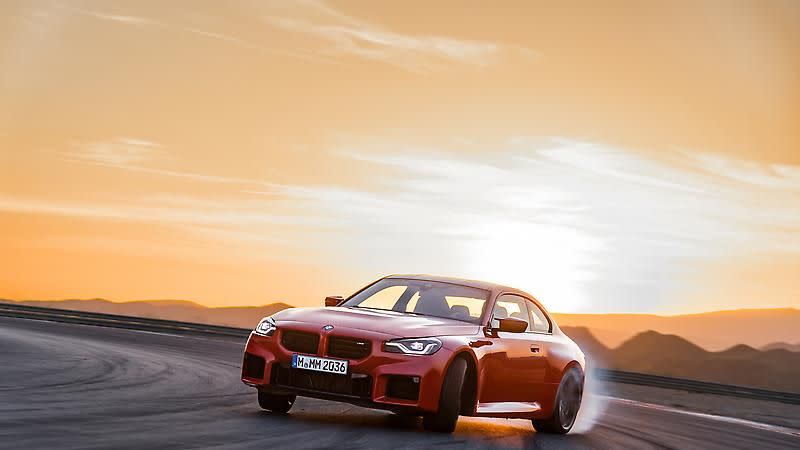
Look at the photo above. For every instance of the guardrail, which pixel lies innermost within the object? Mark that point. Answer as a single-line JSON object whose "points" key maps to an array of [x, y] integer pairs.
{"points": [[172, 326], [117, 321], [701, 387]]}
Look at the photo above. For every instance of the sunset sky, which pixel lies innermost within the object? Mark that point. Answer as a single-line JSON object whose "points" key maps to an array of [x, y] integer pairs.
{"points": [[628, 157]]}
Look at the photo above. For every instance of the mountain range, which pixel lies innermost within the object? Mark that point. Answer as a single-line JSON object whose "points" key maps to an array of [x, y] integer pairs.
{"points": [[714, 331], [669, 355], [782, 345], [746, 347]]}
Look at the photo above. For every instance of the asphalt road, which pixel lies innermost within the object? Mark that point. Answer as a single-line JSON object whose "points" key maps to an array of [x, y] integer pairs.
{"points": [[73, 386]]}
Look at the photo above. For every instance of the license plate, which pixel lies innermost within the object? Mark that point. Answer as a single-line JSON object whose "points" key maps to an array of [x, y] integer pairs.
{"points": [[328, 365]]}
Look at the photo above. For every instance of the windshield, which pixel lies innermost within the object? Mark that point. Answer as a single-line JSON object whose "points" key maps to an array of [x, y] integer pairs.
{"points": [[426, 298]]}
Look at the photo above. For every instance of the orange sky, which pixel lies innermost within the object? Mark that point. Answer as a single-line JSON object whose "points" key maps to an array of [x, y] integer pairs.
{"points": [[627, 157]]}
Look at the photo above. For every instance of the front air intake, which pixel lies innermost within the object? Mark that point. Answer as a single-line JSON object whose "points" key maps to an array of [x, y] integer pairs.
{"points": [[253, 366], [403, 387], [300, 341], [348, 348]]}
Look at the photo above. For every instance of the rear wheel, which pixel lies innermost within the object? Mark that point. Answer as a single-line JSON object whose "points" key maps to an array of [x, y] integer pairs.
{"points": [[568, 401], [444, 421], [276, 403]]}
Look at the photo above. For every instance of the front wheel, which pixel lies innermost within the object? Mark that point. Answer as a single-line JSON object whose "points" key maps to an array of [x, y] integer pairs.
{"points": [[568, 401], [444, 421], [276, 403]]}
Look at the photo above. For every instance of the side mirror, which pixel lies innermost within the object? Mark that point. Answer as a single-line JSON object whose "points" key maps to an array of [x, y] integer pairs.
{"points": [[512, 325], [333, 300]]}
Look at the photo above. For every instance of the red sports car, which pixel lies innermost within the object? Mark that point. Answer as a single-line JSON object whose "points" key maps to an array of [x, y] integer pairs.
{"points": [[422, 345]]}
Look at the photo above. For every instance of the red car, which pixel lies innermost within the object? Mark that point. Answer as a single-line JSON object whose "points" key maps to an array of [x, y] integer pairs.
{"points": [[421, 345]]}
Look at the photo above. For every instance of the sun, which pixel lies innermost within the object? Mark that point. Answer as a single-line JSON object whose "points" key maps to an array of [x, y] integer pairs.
{"points": [[549, 262]]}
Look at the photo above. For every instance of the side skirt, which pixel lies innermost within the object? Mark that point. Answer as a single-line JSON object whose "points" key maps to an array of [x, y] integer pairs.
{"points": [[507, 409]]}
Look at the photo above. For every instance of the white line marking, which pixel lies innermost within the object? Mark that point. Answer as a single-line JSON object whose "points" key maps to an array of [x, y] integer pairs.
{"points": [[158, 333], [734, 420]]}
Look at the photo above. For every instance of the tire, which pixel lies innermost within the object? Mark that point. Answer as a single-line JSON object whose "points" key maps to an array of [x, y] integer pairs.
{"points": [[280, 404], [444, 421], [567, 404]]}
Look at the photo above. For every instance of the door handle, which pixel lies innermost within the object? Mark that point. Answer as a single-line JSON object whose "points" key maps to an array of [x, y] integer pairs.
{"points": [[535, 349], [479, 343]]}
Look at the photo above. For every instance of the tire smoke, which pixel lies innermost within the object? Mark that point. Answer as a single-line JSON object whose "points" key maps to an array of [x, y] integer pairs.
{"points": [[595, 399]]}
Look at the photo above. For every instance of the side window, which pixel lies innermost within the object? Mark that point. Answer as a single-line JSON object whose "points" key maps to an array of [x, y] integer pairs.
{"points": [[538, 319], [412, 303], [508, 305]]}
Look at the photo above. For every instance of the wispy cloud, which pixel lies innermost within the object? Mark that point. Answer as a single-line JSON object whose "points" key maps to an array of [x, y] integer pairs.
{"points": [[120, 152], [129, 20], [144, 21], [776, 176], [582, 225], [138, 155], [578, 223], [342, 34], [412, 53], [186, 211], [329, 34]]}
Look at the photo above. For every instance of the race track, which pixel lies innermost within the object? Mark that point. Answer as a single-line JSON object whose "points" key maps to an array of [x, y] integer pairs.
{"points": [[74, 386]]}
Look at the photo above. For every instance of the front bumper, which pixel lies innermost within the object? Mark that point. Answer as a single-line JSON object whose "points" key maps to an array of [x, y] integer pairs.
{"points": [[380, 380]]}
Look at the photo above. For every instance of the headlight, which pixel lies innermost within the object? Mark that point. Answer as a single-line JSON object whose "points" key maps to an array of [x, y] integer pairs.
{"points": [[266, 327], [413, 346]]}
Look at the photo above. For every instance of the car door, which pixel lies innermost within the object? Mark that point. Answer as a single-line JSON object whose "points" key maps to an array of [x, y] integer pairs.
{"points": [[512, 369], [540, 337]]}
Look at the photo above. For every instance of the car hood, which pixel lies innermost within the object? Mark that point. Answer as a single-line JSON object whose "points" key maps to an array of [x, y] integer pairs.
{"points": [[386, 322]]}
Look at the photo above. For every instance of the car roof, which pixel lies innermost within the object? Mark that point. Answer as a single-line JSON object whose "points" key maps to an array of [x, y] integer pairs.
{"points": [[485, 285]]}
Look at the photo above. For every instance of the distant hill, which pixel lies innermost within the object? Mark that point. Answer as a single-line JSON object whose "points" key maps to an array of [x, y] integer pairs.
{"points": [[783, 346], [632, 346], [713, 331], [670, 355], [182, 310], [766, 329]]}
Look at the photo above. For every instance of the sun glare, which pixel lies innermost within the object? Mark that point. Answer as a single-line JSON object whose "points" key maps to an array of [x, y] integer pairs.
{"points": [[548, 261]]}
